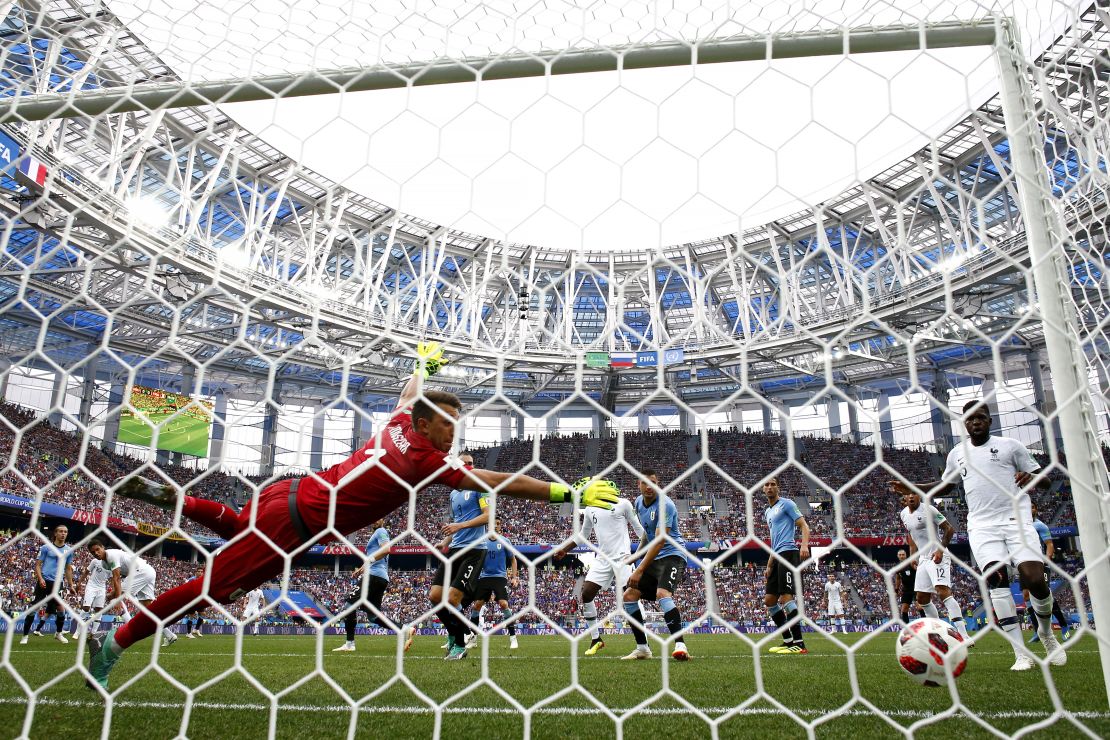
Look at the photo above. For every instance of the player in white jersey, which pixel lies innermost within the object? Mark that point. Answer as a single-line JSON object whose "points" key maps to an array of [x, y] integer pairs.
{"points": [[996, 473], [933, 567], [129, 573], [610, 527], [96, 583], [253, 610], [834, 604]]}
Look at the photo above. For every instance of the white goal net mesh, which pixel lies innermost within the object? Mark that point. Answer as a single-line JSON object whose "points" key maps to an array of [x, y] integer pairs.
{"points": [[727, 247]]}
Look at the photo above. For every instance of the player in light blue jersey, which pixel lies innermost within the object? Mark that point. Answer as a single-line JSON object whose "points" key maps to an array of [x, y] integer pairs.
{"points": [[662, 567], [498, 572], [55, 560], [1049, 548], [377, 552], [469, 517], [784, 519]]}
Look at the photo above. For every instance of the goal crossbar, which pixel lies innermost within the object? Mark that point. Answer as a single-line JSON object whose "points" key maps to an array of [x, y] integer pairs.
{"points": [[182, 94]]}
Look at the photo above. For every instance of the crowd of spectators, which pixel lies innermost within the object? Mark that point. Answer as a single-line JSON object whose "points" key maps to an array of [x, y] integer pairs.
{"points": [[65, 469]]}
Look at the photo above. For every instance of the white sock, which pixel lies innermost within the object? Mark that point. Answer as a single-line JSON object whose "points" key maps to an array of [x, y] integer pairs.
{"points": [[1043, 610], [589, 611], [350, 643], [126, 613], [955, 616], [168, 634], [930, 610], [1005, 612]]}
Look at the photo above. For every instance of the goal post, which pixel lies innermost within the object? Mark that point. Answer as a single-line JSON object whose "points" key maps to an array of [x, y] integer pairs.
{"points": [[36, 106], [1064, 342]]}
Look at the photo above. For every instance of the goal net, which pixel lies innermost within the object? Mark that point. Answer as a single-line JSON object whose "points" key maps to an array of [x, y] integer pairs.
{"points": [[736, 261]]}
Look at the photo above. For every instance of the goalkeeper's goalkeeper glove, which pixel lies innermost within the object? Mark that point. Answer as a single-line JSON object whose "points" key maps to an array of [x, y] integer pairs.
{"points": [[601, 494], [429, 358]]}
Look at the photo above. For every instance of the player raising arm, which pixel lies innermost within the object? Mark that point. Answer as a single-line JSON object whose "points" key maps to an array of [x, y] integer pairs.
{"points": [[411, 452], [996, 472]]}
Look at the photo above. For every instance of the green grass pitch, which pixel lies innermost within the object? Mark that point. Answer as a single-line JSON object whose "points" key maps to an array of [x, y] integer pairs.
{"points": [[722, 674], [185, 434]]}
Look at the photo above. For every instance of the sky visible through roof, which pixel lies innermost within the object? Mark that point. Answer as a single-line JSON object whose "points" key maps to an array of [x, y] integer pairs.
{"points": [[602, 161]]}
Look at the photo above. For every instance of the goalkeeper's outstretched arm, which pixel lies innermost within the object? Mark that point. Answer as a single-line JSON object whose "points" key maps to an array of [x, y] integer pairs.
{"points": [[518, 485]]}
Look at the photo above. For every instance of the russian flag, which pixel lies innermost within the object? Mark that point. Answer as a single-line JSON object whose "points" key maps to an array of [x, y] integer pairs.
{"points": [[33, 170], [622, 359]]}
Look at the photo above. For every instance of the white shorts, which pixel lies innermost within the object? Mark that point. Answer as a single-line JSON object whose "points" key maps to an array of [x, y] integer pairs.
{"points": [[605, 573], [930, 574], [94, 598], [140, 584], [251, 613], [1010, 544], [836, 610]]}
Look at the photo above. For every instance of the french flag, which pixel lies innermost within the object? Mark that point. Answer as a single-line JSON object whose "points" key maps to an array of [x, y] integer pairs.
{"points": [[33, 170], [622, 359]]}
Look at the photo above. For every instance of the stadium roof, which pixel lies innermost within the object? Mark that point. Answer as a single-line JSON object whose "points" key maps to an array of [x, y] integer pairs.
{"points": [[184, 225]]}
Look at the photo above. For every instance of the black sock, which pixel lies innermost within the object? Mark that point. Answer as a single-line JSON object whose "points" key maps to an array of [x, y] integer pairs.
{"points": [[779, 618], [1032, 617], [1059, 614], [59, 622], [796, 628], [635, 619], [674, 622], [349, 623], [27, 622], [454, 626]]}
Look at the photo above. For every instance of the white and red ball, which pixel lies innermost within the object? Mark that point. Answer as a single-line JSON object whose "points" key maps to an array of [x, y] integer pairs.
{"points": [[931, 651]]}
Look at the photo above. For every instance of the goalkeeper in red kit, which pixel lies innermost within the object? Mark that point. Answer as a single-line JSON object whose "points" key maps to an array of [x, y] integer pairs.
{"points": [[410, 453]]}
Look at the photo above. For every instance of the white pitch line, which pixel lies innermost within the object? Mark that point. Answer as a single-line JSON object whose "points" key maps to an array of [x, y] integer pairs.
{"points": [[572, 711]]}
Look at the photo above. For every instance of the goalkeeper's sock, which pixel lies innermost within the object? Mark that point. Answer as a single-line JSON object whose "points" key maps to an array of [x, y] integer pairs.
{"points": [[632, 609], [510, 626], [791, 611], [671, 616], [930, 610], [589, 611], [955, 616], [779, 618]]}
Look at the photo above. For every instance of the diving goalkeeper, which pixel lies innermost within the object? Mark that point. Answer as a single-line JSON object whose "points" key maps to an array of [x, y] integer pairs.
{"points": [[410, 453]]}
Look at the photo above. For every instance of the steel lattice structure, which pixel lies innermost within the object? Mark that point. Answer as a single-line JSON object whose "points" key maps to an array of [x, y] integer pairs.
{"points": [[940, 225]]}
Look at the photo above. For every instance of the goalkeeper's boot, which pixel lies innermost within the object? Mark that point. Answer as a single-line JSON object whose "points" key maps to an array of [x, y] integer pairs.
{"points": [[680, 652], [794, 649], [458, 652], [1056, 654], [783, 648], [347, 647], [596, 647], [101, 658], [149, 491]]}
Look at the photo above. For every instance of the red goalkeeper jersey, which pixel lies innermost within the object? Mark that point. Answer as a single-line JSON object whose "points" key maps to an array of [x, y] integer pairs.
{"points": [[377, 479]]}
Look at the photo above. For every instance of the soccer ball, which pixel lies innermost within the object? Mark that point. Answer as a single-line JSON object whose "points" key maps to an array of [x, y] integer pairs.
{"points": [[931, 652]]}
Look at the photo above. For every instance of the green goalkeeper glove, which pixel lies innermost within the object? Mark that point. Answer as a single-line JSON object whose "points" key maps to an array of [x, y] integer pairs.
{"points": [[429, 358], [601, 494]]}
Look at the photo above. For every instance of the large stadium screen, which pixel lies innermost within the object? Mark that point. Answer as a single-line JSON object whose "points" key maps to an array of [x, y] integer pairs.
{"points": [[184, 424]]}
